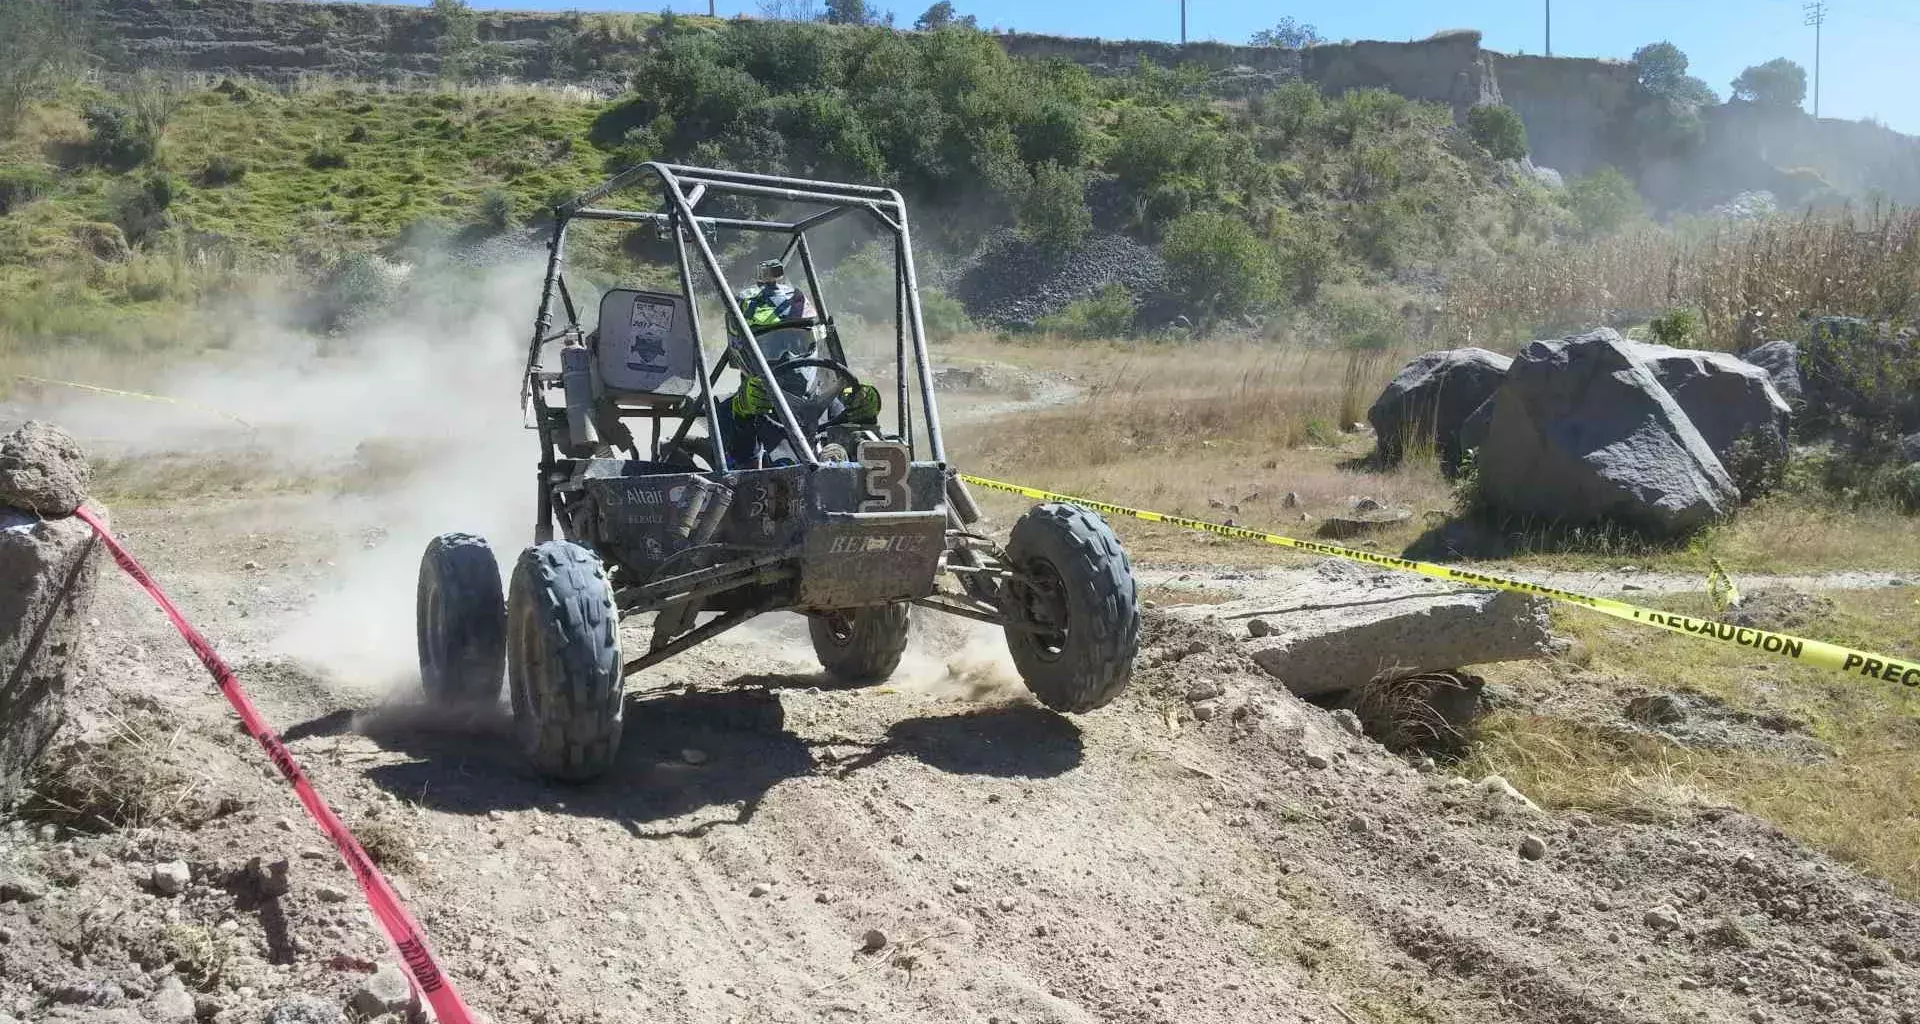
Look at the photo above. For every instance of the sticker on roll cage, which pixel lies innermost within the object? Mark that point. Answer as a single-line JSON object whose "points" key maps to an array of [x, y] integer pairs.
{"points": [[883, 476]]}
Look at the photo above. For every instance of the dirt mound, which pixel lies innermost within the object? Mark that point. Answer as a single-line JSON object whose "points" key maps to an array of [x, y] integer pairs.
{"points": [[1782, 611]]}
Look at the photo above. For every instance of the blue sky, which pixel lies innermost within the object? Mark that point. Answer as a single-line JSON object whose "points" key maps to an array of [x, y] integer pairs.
{"points": [[1869, 68]]}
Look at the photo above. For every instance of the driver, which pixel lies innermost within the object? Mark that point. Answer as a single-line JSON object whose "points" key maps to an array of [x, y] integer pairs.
{"points": [[744, 420]]}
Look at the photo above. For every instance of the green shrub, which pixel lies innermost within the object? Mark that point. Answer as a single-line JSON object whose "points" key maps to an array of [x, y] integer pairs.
{"points": [[1903, 486], [942, 315], [1678, 328], [327, 155], [1498, 130], [222, 170], [358, 287], [1604, 202], [139, 207], [117, 138], [1219, 266], [1108, 314], [496, 210], [22, 185], [1362, 319], [1055, 213]]}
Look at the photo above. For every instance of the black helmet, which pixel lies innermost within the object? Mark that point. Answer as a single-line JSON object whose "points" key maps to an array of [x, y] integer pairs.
{"points": [[772, 270]]}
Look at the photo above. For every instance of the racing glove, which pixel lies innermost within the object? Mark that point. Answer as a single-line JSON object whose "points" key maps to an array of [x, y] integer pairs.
{"points": [[752, 398]]}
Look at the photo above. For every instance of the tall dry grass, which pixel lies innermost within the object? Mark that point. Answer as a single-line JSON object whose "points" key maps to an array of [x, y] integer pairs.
{"points": [[1862, 262]]}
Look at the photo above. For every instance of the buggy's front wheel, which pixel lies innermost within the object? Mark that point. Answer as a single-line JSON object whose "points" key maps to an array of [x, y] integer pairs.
{"points": [[1073, 608], [563, 661], [861, 645]]}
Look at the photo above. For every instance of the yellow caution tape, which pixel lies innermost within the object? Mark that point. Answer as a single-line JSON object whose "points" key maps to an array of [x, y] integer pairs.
{"points": [[1818, 653], [133, 394], [1720, 588]]}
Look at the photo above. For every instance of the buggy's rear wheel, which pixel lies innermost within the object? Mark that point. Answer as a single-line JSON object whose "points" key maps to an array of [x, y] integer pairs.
{"points": [[563, 661], [460, 621], [861, 645], [1074, 608]]}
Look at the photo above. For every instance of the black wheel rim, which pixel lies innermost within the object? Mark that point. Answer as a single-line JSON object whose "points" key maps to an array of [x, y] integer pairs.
{"points": [[1044, 600]]}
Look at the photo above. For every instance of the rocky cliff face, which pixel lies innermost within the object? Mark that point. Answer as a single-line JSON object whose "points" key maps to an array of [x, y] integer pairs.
{"points": [[1577, 111]]}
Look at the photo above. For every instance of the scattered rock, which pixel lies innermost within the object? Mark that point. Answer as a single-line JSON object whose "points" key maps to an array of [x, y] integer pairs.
{"points": [[1533, 847], [271, 880], [1204, 690], [172, 1001], [1348, 722], [90, 993], [1363, 521], [1657, 709], [1581, 430], [1290, 500], [1431, 398], [1499, 789], [43, 470], [171, 878], [873, 941], [1259, 628], [385, 991], [305, 1011], [1317, 760], [329, 894], [962, 885], [759, 889], [1662, 918], [692, 756], [51, 567], [21, 889], [1205, 710], [1007, 904], [1367, 505]]}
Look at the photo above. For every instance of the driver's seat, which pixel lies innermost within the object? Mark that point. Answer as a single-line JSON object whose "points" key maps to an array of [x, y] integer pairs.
{"points": [[644, 354]]}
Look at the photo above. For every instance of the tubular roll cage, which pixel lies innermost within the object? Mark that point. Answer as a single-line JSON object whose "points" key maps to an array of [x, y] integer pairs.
{"points": [[685, 189]]}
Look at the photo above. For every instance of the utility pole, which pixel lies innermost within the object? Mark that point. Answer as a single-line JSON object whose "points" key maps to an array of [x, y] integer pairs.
{"points": [[1817, 17], [1183, 22], [1549, 28]]}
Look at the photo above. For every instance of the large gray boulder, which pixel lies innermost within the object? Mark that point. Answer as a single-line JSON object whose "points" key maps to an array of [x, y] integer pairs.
{"points": [[1429, 400], [1582, 432], [1733, 404], [48, 568], [1781, 360]]}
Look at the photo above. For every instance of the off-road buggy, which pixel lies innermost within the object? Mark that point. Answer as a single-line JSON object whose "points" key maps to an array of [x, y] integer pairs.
{"points": [[851, 523]]}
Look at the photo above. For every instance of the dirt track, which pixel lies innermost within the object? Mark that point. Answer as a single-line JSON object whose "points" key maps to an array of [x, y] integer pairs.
{"points": [[1137, 864]]}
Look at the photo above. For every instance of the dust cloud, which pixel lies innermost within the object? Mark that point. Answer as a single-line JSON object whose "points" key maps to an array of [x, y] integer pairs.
{"points": [[404, 428]]}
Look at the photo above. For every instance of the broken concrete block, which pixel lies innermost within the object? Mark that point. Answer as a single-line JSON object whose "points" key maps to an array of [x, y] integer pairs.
{"points": [[1353, 623]]}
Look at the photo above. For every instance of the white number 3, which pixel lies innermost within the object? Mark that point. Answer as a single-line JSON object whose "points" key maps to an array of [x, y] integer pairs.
{"points": [[883, 475]]}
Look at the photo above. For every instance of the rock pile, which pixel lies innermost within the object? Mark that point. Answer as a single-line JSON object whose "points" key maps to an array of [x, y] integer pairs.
{"points": [[1011, 282], [48, 568]]}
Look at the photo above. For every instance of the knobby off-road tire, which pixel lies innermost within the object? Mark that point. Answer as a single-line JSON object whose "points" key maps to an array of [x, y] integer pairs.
{"points": [[460, 620], [864, 647], [1077, 584], [563, 661]]}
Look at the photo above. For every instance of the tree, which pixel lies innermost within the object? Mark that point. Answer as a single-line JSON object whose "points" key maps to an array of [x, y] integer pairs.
{"points": [[1290, 34], [790, 10], [1055, 213], [459, 37], [1216, 262], [40, 41], [941, 16], [854, 12], [1498, 130], [1661, 69], [1604, 202], [1779, 84]]}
